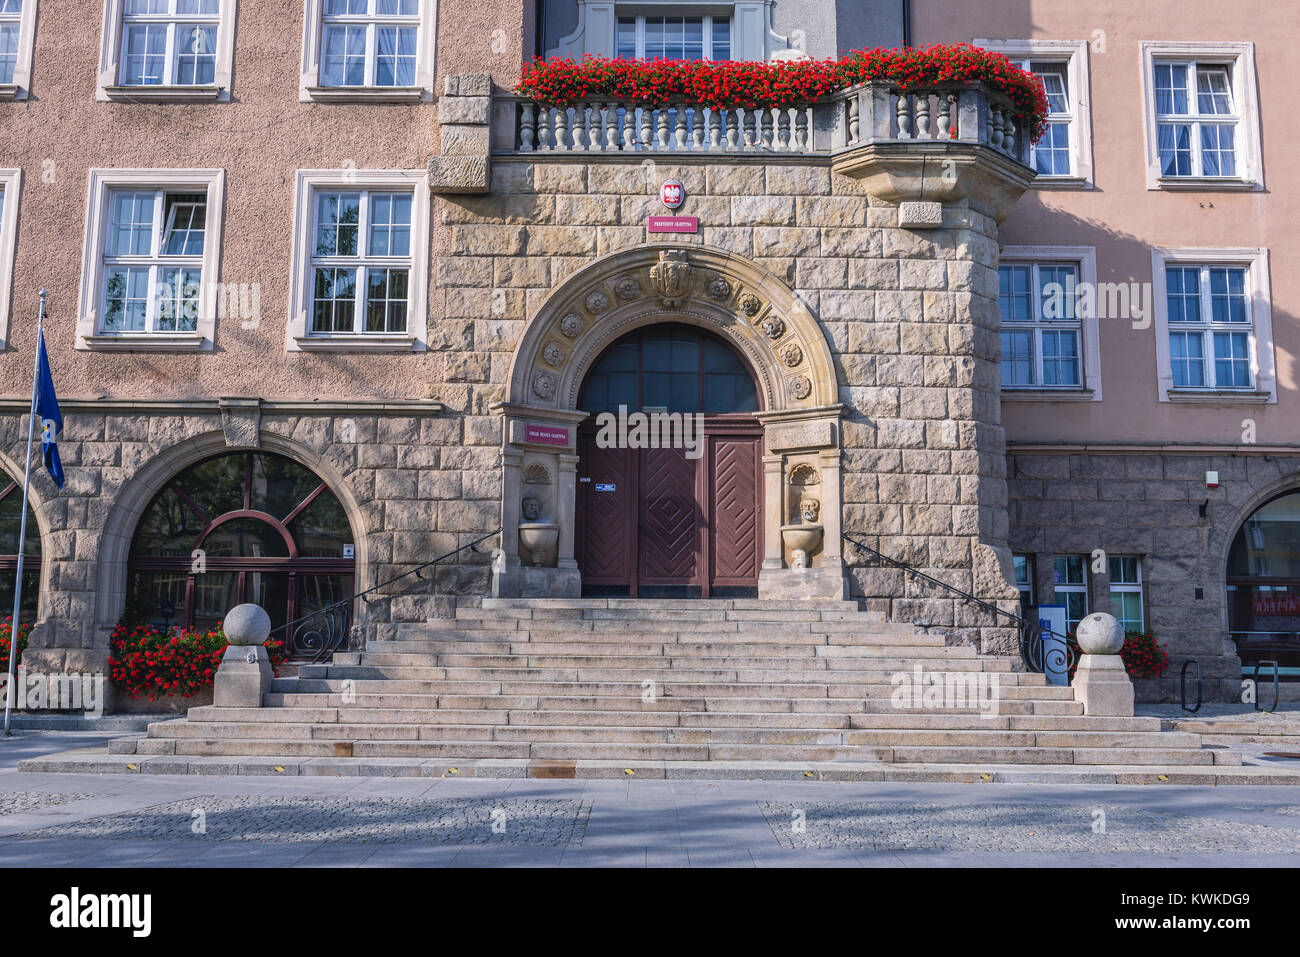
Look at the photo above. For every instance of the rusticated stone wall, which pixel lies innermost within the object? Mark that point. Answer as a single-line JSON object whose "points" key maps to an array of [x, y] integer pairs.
{"points": [[910, 316], [1149, 505]]}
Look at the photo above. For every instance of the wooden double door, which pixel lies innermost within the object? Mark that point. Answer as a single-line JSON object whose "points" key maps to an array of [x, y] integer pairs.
{"points": [[653, 522]]}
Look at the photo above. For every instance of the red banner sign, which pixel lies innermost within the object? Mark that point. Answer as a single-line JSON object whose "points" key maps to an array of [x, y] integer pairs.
{"points": [[674, 224], [546, 435]]}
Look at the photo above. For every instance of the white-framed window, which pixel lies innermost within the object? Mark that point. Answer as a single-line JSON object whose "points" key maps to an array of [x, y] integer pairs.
{"points": [[11, 188], [1049, 331], [1070, 587], [1202, 116], [1024, 572], [368, 49], [666, 36], [150, 272], [17, 42], [1063, 157], [677, 29], [1213, 323], [167, 49], [360, 255], [1126, 591]]}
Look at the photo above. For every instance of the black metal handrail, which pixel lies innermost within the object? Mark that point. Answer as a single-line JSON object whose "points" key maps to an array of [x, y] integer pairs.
{"points": [[1036, 653], [336, 617]]}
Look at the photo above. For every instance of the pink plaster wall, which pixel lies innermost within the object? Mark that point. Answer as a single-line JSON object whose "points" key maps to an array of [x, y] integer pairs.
{"points": [[1123, 219], [260, 138]]}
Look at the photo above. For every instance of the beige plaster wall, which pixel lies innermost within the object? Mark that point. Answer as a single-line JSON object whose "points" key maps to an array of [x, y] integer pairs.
{"points": [[260, 138], [1123, 219]]}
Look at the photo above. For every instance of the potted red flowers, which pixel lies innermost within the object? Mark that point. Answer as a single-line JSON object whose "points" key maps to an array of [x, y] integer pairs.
{"points": [[747, 84]]}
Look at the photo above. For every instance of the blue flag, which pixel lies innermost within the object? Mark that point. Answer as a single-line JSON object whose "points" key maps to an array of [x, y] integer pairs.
{"points": [[48, 414]]}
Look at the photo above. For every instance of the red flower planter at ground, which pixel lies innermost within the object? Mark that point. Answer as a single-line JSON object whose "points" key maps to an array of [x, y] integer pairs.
{"points": [[148, 661], [1143, 657], [6, 633], [748, 84]]}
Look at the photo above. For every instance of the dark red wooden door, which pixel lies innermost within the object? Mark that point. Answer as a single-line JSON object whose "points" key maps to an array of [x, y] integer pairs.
{"points": [[669, 519], [735, 536], [654, 518]]}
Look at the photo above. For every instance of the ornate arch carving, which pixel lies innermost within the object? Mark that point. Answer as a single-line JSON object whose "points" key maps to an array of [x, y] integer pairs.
{"points": [[698, 285]]}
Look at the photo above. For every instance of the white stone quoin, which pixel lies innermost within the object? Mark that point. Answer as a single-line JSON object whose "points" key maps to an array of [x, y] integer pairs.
{"points": [[1101, 682], [244, 674]]}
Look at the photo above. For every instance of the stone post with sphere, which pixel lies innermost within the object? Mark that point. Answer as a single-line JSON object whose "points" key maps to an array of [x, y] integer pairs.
{"points": [[244, 674], [1101, 681]]}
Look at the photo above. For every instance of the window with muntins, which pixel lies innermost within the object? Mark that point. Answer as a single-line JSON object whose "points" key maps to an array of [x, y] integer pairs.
{"points": [[169, 42], [1126, 591], [656, 37], [369, 43], [153, 261], [361, 261], [1041, 330], [1196, 119], [11, 12], [1052, 154], [1070, 580], [1210, 329]]}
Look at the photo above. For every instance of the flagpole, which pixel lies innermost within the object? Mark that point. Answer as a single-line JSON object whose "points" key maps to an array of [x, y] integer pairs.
{"points": [[10, 690]]}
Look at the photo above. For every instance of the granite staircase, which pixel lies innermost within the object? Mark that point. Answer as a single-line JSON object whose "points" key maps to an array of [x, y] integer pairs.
{"points": [[657, 688]]}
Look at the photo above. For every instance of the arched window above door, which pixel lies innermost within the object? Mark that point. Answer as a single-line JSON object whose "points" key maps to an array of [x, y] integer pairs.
{"points": [[670, 368]]}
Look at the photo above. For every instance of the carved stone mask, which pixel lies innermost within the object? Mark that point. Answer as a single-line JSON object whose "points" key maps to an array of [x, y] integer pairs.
{"points": [[532, 509], [809, 509]]}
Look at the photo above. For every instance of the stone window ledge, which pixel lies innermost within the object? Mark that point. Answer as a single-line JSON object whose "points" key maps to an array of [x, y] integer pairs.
{"points": [[355, 343], [1047, 395], [364, 94], [1061, 182], [163, 94], [8, 91], [153, 342], [1217, 397], [1206, 183]]}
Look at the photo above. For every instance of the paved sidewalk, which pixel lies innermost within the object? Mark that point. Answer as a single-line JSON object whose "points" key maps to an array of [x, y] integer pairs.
{"points": [[164, 820]]}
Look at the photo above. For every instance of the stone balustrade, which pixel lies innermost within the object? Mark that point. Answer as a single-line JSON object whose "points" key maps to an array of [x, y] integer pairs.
{"points": [[872, 113]]}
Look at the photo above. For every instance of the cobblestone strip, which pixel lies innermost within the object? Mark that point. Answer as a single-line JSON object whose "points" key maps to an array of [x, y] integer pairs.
{"points": [[390, 820], [1018, 828]]}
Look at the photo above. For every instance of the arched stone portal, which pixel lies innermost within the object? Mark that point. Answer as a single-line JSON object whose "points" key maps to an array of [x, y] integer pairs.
{"points": [[723, 293]]}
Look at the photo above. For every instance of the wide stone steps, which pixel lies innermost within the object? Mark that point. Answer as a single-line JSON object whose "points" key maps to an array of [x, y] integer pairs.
{"points": [[526, 687], [1012, 684], [665, 634], [366, 728], [569, 749], [678, 649]]}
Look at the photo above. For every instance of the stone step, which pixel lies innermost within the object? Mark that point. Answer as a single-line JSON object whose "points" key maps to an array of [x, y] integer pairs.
{"points": [[671, 626], [880, 680], [681, 604], [98, 761], [677, 649], [823, 687], [665, 662], [362, 728], [416, 634]]}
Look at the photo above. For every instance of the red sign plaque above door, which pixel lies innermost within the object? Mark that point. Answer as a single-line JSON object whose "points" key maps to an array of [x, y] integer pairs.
{"points": [[673, 224], [546, 435]]}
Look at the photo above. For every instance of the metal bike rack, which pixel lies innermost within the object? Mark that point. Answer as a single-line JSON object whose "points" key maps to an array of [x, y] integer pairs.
{"points": [[1276, 690]]}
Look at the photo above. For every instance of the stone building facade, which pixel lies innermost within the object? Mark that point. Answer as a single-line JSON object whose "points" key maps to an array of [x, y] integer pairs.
{"points": [[851, 271]]}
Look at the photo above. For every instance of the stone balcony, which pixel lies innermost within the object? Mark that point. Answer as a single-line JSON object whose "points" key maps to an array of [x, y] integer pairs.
{"points": [[933, 145]]}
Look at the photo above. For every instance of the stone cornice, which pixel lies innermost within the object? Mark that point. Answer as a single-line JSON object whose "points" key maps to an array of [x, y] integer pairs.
{"points": [[210, 406]]}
